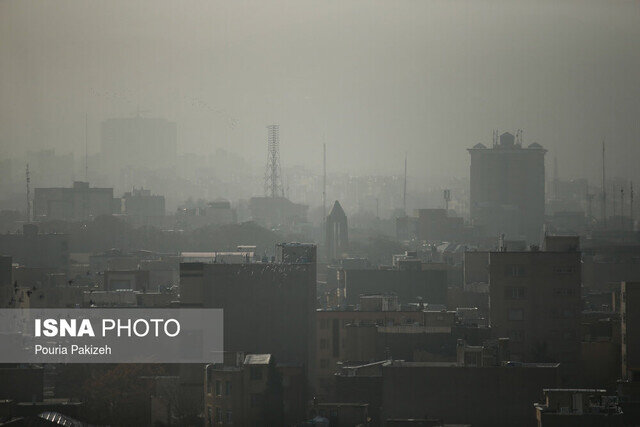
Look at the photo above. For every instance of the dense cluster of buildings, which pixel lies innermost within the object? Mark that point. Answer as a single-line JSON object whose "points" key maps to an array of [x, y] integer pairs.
{"points": [[486, 322]]}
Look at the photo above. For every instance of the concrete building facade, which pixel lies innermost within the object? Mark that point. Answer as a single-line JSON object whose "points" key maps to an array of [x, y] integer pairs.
{"points": [[268, 307], [80, 202], [535, 300], [508, 188]]}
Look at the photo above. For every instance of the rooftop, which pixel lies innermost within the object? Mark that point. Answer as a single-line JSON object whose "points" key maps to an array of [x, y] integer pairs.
{"points": [[257, 359]]}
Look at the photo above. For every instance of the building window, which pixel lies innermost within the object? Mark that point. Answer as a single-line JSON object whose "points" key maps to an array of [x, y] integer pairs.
{"points": [[255, 400], [563, 292], [218, 388], [324, 344], [514, 292], [324, 363], [210, 415], [256, 373], [219, 419], [516, 335], [229, 417], [515, 270], [516, 314], [567, 269], [227, 390]]}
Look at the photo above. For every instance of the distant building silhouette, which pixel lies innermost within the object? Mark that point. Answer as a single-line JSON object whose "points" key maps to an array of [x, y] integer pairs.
{"points": [[337, 241], [272, 212], [507, 188], [138, 141], [37, 250], [76, 203], [142, 207]]}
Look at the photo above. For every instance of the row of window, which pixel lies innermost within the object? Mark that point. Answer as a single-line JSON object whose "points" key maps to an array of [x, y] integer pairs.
{"points": [[227, 388], [519, 292], [219, 419], [324, 323], [517, 314], [517, 335], [520, 271]]}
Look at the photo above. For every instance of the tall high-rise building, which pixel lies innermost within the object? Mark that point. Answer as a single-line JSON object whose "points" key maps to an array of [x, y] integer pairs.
{"points": [[507, 188], [337, 240]]}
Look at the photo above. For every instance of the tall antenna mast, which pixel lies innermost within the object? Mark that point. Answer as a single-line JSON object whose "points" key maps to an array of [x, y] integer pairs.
{"points": [[604, 191], [633, 222], [613, 202], [273, 180], [28, 176], [86, 143], [555, 178], [621, 207], [324, 182], [404, 191]]}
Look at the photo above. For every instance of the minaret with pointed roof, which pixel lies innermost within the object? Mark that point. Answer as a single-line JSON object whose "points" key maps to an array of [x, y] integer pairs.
{"points": [[337, 237]]}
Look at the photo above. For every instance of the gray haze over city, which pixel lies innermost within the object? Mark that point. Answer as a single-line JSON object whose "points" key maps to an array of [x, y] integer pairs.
{"points": [[398, 213], [371, 79]]}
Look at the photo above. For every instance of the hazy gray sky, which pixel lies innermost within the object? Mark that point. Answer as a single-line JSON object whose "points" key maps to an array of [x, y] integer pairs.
{"points": [[376, 78]]}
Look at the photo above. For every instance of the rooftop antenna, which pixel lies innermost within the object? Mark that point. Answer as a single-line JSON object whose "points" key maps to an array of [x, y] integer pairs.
{"points": [[604, 191], [621, 207], [555, 177], [519, 137], [273, 179], [631, 205], [495, 137], [404, 191], [613, 201], [447, 197], [28, 176], [86, 139], [324, 181]]}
